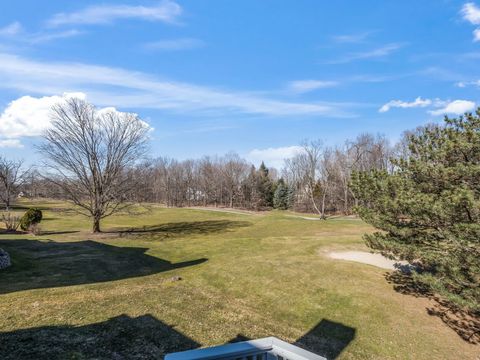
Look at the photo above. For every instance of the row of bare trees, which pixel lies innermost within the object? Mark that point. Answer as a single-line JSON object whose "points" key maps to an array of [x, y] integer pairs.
{"points": [[227, 181], [320, 175], [317, 178], [13, 176], [96, 159]]}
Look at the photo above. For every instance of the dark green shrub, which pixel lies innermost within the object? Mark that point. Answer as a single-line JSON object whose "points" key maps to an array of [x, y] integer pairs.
{"points": [[31, 217]]}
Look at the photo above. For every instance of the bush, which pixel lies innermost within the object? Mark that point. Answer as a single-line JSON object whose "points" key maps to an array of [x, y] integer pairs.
{"points": [[31, 217], [11, 221]]}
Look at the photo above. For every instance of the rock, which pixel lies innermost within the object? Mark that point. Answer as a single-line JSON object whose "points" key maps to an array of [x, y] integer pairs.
{"points": [[4, 259]]}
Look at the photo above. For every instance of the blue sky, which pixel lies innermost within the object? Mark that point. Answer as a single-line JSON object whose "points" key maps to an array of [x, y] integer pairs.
{"points": [[254, 77]]}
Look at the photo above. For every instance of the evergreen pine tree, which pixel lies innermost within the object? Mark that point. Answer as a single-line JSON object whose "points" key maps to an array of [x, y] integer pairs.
{"points": [[264, 187], [428, 208], [282, 196]]}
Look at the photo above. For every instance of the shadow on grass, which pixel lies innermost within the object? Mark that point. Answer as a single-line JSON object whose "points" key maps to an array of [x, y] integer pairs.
{"points": [[465, 323], [176, 229], [45, 264], [46, 233], [121, 337], [327, 338], [144, 337]]}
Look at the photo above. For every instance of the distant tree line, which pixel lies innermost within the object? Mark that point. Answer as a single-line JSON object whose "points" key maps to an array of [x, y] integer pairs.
{"points": [[316, 179]]}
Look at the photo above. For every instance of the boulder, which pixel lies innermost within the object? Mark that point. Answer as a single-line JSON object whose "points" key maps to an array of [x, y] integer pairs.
{"points": [[4, 259]]}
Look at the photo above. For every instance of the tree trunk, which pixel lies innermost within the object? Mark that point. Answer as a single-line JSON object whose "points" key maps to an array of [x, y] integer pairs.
{"points": [[96, 225], [324, 196]]}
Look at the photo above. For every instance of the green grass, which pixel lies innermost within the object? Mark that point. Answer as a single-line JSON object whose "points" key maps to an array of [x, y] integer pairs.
{"points": [[74, 295]]}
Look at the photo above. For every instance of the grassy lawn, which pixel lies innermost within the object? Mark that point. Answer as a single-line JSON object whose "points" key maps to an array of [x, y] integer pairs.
{"points": [[73, 295]]}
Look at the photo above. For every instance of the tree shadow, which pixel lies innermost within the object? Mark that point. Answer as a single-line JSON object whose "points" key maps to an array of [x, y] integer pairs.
{"points": [[144, 337], [328, 338], [465, 323], [16, 207], [121, 337], [177, 229], [47, 232], [44, 264]]}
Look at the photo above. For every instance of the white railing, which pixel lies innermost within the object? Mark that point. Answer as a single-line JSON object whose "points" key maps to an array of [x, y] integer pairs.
{"points": [[269, 348]]}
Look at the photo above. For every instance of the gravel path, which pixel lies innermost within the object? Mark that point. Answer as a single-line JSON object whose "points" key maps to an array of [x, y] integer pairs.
{"points": [[303, 217], [231, 211]]}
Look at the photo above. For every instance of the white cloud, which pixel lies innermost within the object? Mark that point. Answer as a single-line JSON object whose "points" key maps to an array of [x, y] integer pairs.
{"points": [[303, 86], [380, 52], [11, 29], [30, 116], [273, 156], [174, 44], [166, 11], [471, 13], [456, 107], [11, 143], [418, 102], [108, 86], [476, 34]]}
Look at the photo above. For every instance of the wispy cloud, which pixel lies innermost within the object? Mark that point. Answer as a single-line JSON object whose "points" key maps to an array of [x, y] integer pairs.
{"points": [[11, 29], [11, 143], [16, 33], [43, 37], [273, 156], [174, 44], [355, 38], [463, 84], [471, 13], [166, 11], [303, 86], [131, 89], [376, 53], [418, 102]]}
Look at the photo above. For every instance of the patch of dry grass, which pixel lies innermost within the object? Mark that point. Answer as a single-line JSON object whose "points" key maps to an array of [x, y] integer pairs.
{"points": [[70, 294]]}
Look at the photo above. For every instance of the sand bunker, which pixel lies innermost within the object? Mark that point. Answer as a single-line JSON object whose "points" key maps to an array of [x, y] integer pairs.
{"points": [[377, 260]]}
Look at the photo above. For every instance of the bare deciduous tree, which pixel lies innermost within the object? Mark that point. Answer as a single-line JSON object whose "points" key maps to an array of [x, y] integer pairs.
{"points": [[90, 152], [308, 171], [12, 177]]}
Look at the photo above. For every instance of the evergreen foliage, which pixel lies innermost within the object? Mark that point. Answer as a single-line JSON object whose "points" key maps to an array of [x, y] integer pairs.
{"points": [[31, 217], [264, 187], [282, 196], [428, 208]]}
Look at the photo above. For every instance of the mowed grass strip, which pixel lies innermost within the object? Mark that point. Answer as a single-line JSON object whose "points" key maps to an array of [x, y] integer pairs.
{"points": [[71, 294]]}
